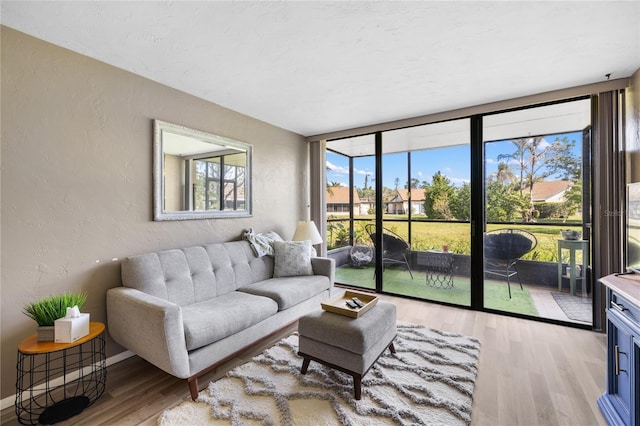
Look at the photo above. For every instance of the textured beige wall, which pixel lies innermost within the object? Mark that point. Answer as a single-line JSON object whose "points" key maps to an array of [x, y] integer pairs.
{"points": [[632, 130], [77, 178]]}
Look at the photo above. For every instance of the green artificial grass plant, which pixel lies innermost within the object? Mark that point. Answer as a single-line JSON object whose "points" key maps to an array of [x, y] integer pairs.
{"points": [[48, 309]]}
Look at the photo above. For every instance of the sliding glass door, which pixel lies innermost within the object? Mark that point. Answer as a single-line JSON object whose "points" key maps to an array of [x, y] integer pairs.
{"points": [[415, 199], [426, 176], [536, 243]]}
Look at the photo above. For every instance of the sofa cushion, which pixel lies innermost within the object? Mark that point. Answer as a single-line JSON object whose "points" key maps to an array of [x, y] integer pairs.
{"points": [[214, 319], [194, 274], [292, 258], [289, 291]]}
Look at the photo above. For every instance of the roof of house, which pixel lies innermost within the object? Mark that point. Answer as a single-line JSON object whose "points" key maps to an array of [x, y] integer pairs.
{"points": [[544, 190], [340, 194], [416, 194]]}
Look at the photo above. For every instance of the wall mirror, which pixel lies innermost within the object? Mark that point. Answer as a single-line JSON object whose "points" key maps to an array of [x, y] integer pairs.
{"points": [[199, 175]]}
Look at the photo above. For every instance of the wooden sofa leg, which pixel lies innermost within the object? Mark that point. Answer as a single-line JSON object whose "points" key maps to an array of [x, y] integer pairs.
{"points": [[193, 387]]}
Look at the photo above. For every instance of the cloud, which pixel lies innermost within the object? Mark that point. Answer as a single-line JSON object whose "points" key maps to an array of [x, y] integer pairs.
{"points": [[337, 169], [345, 171], [458, 181], [544, 144]]}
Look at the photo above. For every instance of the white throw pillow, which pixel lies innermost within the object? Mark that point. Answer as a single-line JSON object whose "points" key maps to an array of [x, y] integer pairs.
{"points": [[292, 258]]}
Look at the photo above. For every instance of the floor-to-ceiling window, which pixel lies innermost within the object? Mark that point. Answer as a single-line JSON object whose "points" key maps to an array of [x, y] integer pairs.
{"points": [[536, 245], [351, 206], [413, 186], [426, 172]]}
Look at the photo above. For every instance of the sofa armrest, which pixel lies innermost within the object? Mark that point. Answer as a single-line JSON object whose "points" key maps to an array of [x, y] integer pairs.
{"points": [[150, 327], [324, 266]]}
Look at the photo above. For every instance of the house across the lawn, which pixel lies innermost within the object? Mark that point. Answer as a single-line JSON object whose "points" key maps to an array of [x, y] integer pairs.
{"points": [[550, 191], [400, 203], [338, 201]]}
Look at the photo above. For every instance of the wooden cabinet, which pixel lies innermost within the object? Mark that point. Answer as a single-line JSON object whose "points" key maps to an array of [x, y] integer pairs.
{"points": [[619, 404]]}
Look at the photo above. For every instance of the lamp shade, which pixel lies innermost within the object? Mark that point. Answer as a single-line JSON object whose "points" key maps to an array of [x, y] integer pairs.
{"points": [[306, 230]]}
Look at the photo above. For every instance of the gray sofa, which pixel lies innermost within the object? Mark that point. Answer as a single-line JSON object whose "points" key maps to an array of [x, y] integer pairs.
{"points": [[188, 310]]}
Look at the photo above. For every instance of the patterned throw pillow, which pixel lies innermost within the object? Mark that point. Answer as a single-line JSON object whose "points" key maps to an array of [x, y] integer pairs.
{"points": [[292, 258]]}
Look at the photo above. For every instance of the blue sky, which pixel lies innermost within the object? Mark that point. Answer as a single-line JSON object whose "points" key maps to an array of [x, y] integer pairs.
{"points": [[453, 162]]}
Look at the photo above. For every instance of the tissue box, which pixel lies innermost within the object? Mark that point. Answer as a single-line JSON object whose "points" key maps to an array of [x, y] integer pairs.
{"points": [[68, 330]]}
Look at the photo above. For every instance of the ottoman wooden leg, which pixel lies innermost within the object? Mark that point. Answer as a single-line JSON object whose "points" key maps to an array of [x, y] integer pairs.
{"points": [[305, 365], [357, 386], [392, 348]]}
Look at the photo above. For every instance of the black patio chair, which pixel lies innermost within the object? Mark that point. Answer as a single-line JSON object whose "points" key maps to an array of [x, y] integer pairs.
{"points": [[394, 248], [502, 250]]}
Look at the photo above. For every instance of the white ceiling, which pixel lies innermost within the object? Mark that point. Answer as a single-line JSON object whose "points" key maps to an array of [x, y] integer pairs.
{"points": [[315, 66]]}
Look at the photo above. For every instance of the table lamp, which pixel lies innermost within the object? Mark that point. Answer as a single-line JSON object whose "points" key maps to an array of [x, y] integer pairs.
{"points": [[307, 230]]}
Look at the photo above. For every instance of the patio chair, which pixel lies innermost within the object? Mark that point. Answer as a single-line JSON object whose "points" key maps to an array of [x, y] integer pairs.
{"points": [[394, 248], [502, 250]]}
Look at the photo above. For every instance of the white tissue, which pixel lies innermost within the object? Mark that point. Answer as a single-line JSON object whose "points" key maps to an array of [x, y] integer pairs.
{"points": [[73, 312]]}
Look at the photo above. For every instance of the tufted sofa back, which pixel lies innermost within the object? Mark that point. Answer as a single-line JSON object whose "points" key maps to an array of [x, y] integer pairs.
{"points": [[193, 274]]}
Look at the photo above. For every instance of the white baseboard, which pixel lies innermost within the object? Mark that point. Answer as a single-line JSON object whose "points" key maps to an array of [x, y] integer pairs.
{"points": [[11, 400]]}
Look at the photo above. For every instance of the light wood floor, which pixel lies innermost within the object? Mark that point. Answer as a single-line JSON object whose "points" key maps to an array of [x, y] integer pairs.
{"points": [[530, 373]]}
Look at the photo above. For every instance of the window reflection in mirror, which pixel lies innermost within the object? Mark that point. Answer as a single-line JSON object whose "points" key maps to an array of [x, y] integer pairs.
{"points": [[199, 175]]}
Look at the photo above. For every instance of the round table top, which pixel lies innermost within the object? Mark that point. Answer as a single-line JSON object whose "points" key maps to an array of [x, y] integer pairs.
{"points": [[30, 345]]}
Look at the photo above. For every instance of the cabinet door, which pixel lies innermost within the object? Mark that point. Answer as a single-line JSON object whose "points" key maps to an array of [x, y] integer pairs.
{"points": [[619, 366]]}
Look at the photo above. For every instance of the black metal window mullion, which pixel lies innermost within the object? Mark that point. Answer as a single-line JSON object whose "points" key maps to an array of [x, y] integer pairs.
{"points": [[221, 185], [379, 210], [477, 213], [409, 201], [351, 201]]}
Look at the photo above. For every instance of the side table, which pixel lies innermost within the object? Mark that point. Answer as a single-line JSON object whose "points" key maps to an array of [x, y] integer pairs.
{"points": [[56, 381], [439, 267], [572, 273]]}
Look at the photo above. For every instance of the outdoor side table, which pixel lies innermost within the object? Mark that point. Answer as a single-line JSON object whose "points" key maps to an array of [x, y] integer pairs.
{"points": [[572, 273], [58, 380], [439, 267]]}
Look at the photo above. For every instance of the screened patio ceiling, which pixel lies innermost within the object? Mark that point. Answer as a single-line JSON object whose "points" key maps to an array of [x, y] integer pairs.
{"points": [[549, 119]]}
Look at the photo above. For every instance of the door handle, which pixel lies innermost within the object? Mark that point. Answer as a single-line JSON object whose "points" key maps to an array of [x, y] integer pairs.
{"points": [[617, 360]]}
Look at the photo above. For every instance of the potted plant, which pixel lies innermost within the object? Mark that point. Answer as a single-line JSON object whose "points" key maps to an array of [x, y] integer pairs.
{"points": [[48, 309]]}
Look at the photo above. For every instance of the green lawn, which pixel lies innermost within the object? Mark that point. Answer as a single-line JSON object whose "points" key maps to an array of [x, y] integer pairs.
{"points": [[433, 235], [398, 281]]}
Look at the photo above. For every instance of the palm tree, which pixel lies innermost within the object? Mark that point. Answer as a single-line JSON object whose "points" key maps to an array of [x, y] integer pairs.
{"points": [[504, 174]]}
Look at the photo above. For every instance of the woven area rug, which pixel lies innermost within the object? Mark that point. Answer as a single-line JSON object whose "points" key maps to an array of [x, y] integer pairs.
{"points": [[574, 307], [430, 380]]}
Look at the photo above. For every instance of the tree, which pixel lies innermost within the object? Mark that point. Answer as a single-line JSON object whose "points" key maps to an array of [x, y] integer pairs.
{"points": [[504, 174], [573, 200], [437, 197], [413, 184], [461, 203], [536, 160], [502, 203]]}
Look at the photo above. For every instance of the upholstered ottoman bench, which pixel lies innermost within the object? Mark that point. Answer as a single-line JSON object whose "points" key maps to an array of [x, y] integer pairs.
{"points": [[347, 344]]}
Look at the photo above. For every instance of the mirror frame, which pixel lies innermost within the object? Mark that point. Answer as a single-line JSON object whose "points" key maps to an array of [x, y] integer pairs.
{"points": [[158, 182]]}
